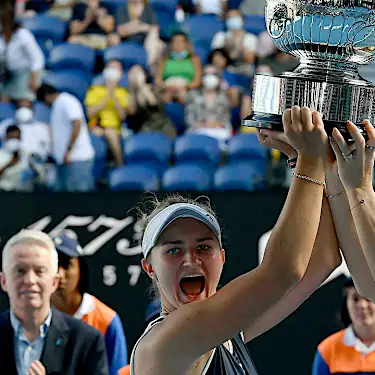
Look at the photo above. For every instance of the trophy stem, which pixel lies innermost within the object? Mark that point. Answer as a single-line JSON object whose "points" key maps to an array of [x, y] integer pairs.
{"points": [[327, 71]]}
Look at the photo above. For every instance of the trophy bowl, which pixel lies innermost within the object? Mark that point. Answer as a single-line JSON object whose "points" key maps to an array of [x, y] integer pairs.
{"points": [[330, 38]]}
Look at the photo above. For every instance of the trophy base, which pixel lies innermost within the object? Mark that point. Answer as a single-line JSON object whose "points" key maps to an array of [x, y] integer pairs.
{"points": [[275, 122], [337, 102]]}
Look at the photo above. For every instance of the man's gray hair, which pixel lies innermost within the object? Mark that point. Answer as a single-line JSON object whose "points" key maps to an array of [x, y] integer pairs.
{"points": [[32, 237]]}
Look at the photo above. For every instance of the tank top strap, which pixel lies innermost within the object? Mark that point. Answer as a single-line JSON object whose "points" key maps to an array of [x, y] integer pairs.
{"points": [[147, 330]]}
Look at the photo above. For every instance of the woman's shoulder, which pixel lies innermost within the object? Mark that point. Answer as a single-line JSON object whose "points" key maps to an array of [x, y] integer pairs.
{"points": [[332, 340]]}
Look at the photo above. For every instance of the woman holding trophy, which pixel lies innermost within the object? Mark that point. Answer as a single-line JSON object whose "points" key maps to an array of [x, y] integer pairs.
{"points": [[202, 330]]}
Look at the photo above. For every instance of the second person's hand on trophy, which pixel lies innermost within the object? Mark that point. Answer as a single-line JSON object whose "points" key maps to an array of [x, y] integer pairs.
{"points": [[355, 162]]}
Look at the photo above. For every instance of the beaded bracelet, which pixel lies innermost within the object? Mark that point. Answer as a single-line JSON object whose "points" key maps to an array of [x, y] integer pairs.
{"points": [[335, 195], [302, 177]]}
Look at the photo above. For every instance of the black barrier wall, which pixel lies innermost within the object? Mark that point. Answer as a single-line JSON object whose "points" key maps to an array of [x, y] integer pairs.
{"points": [[108, 232]]}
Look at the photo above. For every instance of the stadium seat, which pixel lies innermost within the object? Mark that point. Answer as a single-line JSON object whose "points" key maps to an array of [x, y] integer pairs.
{"points": [[202, 51], [255, 24], [42, 112], [7, 111], [72, 57], [202, 28], [235, 79], [149, 148], [165, 5], [112, 6], [187, 177], [48, 31], [100, 146], [128, 53], [134, 177], [165, 13], [68, 82], [176, 112], [245, 147], [197, 148], [236, 176]]}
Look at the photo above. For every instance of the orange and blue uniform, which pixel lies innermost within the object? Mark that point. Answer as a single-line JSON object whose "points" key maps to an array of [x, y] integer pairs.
{"points": [[107, 321], [125, 370], [343, 353]]}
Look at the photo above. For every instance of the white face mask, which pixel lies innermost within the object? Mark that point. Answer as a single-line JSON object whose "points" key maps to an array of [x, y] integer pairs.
{"points": [[24, 115], [210, 81], [12, 145], [111, 74], [234, 23]]}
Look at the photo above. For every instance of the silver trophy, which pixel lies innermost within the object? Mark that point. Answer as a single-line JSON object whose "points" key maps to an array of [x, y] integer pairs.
{"points": [[330, 38]]}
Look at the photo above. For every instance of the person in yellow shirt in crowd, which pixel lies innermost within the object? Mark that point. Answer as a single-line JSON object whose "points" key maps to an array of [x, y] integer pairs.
{"points": [[106, 105]]}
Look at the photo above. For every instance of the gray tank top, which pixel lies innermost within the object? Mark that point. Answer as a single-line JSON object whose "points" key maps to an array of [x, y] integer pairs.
{"points": [[231, 358]]}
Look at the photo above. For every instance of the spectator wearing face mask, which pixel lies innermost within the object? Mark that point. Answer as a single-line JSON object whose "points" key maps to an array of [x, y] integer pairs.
{"points": [[106, 106], [12, 161], [180, 71], [21, 59], [35, 135], [146, 109], [207, 110], [71, 144], [240, 45], [91, 25]]}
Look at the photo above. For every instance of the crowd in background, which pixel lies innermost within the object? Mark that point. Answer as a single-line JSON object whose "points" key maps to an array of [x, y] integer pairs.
{"points": [[209, 83]]}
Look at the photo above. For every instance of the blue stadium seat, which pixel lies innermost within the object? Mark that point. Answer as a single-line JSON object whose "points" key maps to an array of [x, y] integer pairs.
{"points": [[202, 52], [112, 6], [245, 147], [151, 148], [128, 53], [48, 31], [255, 24], [7, 111], [134, 177], [176, 112], [165, 5], [72, 57], [68, 82], [202, 28], [187, 177], [101, 148], [42, 112], [240, 80], [197, 148], [236, 176]]}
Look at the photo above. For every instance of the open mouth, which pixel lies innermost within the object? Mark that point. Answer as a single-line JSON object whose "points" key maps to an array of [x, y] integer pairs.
{"points": [[193, 285]]}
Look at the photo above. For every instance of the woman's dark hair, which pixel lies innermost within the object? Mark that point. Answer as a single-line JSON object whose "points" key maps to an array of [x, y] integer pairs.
{"points": [[345, 318], [152, 206], [45, 89], [84, 276], [223, 51]]}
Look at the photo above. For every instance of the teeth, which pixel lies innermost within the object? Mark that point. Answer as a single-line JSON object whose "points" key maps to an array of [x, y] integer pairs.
{"points": [[196, 275]]}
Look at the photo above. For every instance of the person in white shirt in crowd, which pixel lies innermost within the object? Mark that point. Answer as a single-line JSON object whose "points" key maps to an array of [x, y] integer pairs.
{"points": [[253, 7], [13, 162], [21, 59], [35, 135], [240, 45], [71, 145], [216, 7]]}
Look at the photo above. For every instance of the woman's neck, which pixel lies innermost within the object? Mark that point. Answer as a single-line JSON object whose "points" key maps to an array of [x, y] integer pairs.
{"points": [[365, 334], [68, 304]]}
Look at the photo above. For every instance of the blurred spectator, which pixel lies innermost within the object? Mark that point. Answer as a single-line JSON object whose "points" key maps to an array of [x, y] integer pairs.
{"points": [[21, 59], [146, 107], [251, 7], [180, 71], [13, 162], [220, 58], [106, 106], [71, 145], [207, 110], [35, 135], [137, 22], [62, 9], [266, 45], [91, 25], [351, 350], [216, 7], [72, 298], [240, 45], [277, 63]]}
